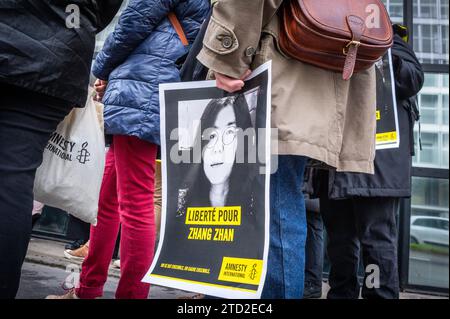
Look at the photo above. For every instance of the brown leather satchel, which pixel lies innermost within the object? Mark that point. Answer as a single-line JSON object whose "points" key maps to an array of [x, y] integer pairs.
{"points": [[339, 35]]}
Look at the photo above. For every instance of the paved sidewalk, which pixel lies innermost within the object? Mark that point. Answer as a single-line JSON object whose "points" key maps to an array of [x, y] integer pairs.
{"points": [[403, 295], [50, 253], [45, 270]]}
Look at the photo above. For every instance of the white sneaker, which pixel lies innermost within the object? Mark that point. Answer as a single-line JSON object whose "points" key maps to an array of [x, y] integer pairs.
{"points": [[116, 263], [77, 254]]}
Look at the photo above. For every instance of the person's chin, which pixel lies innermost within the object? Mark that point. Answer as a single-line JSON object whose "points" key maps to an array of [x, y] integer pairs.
{"points": [[218, 181]]}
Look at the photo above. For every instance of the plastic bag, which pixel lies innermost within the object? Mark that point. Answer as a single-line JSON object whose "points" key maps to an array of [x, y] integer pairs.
{"points": [[71, 173]]}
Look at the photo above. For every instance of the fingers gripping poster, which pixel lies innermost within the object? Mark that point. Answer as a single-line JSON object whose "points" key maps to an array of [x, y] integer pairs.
{"points": [[215, 222]]}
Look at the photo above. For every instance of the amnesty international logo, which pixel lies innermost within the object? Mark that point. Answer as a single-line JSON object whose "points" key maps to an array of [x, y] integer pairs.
{"points": [[83, 154], [241, 270], [253, 272]]}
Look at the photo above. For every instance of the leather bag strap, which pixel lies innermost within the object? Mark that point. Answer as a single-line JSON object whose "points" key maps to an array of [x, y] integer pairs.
{"points": [[178, 28], [357, 27]]}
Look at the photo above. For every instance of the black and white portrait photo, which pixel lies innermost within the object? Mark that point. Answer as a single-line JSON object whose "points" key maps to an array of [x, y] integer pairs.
{"points": [[215, 150]]}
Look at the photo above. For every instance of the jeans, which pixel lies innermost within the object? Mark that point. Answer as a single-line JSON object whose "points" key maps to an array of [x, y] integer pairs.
{"points": [[286, 263], [27, 120], [366, 224], [126, 199]]}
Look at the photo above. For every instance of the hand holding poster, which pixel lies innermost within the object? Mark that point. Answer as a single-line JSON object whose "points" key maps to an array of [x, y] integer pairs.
{"points": [[215, 222]]}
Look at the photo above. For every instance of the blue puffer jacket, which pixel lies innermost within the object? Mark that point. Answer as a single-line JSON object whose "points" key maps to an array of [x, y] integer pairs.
{"points": [[140, 54]]}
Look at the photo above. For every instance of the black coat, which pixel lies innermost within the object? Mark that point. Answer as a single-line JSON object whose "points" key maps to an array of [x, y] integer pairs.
{"points": [[40, 53], [392, 176], [192, 69]]}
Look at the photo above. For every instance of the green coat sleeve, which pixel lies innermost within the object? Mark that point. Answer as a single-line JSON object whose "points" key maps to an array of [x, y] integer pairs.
{"points": [[233, 34]]}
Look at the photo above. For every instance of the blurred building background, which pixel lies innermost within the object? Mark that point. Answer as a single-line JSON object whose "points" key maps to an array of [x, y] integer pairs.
{"points": [[425, 263]]}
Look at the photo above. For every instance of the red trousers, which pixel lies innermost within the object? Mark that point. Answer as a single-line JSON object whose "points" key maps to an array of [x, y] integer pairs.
{"points": [[126, 199]]}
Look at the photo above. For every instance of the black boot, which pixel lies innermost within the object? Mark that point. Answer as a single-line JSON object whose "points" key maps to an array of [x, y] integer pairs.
{"points": [[312, 291]]}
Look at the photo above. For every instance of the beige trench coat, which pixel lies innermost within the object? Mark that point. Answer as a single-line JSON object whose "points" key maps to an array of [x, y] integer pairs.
{"points": [[317, 114]]}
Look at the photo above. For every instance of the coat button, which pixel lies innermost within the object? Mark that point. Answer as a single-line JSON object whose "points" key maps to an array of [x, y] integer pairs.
{"points": [[227, 42], [250, 51]]}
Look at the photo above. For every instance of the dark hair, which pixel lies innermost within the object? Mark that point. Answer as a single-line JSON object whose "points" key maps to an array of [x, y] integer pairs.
{"points": [[242, 174]]}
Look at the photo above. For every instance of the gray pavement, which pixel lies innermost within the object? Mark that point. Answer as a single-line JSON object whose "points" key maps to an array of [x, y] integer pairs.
{"points": [[46, 269], [39, 281]]}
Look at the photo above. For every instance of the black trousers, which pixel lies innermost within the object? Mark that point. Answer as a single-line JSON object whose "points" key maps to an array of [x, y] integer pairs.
{"points": [[78, 229], [314, 250], [367, 227], [26, 122]]}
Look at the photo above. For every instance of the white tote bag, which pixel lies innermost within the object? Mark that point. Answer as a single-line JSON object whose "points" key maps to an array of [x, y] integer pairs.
{"points": [[74, 160]]}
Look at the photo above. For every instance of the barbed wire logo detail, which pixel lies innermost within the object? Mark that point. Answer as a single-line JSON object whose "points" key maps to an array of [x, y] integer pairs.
{"points": [[84, 154], [254, 272]]}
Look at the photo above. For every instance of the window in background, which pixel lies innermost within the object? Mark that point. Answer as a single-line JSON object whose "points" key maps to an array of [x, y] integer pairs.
{"points": [[445, 148], [429, 250], [444, 9], [428, 108], [431, 27], [101, 37], [433, 105], [395, 9], [428, 156]]}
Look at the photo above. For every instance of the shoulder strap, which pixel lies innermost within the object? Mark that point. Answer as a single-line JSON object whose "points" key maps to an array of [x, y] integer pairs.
{"points": [[178, 28]]}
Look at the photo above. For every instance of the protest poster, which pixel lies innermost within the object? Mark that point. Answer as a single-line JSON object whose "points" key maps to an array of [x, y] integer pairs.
{"points": [[215, 150], [388, 134]]}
